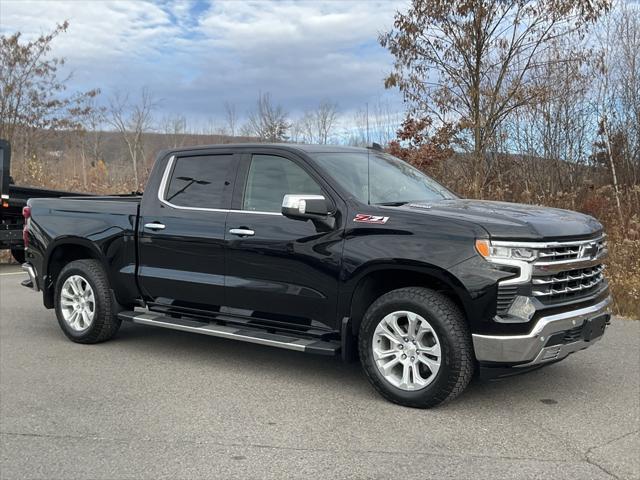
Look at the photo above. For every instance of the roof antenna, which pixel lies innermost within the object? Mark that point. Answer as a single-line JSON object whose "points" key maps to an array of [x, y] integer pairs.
{"points": [[368, 177]]}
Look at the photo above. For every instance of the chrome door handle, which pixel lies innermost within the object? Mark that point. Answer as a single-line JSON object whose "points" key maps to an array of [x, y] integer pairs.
{"points": [[242, 232], [154, 226]]}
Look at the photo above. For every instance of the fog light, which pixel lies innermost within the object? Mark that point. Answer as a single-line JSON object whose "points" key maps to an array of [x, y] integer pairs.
{"points": [[521, 311]]}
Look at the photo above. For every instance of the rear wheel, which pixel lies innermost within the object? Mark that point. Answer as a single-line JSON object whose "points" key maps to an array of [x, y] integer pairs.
{"points": [[85, 307], [18, 255], [415, 347]]}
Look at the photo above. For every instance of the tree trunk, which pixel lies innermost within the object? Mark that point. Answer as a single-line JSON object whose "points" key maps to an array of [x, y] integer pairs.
{"points": [[614, 176]]}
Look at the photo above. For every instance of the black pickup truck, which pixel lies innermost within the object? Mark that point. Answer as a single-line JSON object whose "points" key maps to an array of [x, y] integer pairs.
{"points": [[327, 250]]}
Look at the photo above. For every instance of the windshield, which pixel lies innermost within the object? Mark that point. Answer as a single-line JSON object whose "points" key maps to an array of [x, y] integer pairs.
{"points": [[378, 178]]}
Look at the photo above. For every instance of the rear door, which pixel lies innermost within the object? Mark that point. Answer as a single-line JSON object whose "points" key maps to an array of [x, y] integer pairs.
{"points": [[280, 269], [182, 231]]}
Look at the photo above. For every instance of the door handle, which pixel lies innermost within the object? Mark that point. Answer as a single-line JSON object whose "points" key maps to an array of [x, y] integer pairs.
{"points": [[242, 232], [154, 226]]}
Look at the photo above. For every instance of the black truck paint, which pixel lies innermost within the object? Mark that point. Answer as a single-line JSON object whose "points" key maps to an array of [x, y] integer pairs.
{"points": [[316, 279]]}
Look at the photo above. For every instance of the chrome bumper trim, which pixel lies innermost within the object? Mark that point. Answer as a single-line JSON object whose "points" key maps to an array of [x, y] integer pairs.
{"points": [[528, 350], [33, 278]]}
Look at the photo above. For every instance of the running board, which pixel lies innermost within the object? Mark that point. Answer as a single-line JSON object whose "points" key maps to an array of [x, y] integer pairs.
{"points": [[249, 335]]}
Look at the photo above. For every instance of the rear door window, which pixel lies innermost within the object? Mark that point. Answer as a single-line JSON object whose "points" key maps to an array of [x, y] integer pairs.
{"points": [[200, 181]]}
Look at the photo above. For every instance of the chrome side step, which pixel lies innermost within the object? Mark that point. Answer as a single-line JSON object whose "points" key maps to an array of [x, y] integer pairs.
{"points": [[249, 335]]}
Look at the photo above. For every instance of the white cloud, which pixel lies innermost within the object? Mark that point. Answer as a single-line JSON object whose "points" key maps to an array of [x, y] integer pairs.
{"points": [[195, 57]]}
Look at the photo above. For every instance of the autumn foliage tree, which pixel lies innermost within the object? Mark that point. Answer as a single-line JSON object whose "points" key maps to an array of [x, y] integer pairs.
{"points": [[33, 94], [469, 64]]}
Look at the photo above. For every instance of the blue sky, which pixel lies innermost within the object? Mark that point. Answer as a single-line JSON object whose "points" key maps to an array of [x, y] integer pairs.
{"points": [[196, 54]]}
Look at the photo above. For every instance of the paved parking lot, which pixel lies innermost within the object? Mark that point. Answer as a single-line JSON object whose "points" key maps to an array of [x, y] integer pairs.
{"points": [[155, 403]]}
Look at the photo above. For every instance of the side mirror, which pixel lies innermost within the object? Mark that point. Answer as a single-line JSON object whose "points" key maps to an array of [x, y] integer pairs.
{"points": [[304, 207], [308, 207]]}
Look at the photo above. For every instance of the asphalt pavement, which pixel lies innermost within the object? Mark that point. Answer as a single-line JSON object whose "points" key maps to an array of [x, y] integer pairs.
{"points": [[155, 403]]}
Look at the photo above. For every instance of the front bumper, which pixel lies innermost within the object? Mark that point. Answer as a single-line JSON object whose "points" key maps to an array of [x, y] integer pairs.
{"points": [[541, 345]]}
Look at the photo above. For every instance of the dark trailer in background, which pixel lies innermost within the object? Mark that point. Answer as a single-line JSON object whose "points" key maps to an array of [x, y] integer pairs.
{"points": [[13, 198]]}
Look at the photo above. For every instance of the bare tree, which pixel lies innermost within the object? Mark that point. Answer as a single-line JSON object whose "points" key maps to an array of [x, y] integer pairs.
{"points": [[317, 125], [618, 98], [385, 121], [623, 72], [91, 137], [357, 128], [470, 63], [555, 132], [32, 92], [231, 118], [268, 122], [174, 128], [132, 120]]}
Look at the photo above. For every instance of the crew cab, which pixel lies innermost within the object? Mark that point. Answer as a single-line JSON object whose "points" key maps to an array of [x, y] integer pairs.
{"points": [[327, 250]]}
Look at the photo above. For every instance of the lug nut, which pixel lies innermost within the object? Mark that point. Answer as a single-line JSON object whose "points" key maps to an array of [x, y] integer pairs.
{"points": [[400, 347], [413, 359], [404, 356], [406, 339]]}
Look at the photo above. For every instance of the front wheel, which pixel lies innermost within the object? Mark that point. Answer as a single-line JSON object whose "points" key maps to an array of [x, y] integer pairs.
{"points": [[415, 347], [85, 307]]}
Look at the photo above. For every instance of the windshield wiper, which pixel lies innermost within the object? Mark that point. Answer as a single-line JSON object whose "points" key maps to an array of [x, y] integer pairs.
{"points": [[392, 204]]}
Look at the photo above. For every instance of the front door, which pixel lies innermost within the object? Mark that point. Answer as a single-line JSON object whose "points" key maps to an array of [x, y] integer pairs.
{"points": [[280, 269], [182, 233]]}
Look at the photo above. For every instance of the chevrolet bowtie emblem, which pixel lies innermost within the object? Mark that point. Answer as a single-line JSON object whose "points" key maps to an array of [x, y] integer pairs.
{"points": [[589, 250]]}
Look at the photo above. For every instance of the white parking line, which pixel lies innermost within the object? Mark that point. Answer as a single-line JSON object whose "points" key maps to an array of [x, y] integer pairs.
{"points": [[12, 273]]}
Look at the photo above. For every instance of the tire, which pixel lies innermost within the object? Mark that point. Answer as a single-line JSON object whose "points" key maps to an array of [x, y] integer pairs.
{"points": [[104, 322], [444, 330], [18, 255]]}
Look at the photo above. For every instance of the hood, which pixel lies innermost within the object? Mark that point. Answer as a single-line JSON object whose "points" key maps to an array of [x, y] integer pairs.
{"points": [[503, 220]]}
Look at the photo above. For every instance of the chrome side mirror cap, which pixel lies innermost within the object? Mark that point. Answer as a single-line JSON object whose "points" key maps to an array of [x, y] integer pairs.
{"points": [[304, 207]]}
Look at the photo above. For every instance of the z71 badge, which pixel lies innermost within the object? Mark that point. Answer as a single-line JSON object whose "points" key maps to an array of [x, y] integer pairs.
{"points": [[362, 218]]}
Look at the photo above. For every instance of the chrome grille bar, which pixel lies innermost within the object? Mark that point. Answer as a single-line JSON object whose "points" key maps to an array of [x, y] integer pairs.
{"points": [[570, 276]]}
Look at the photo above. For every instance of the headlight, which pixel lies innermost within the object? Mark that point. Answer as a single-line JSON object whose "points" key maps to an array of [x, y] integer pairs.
{"points": [[491, 252]]}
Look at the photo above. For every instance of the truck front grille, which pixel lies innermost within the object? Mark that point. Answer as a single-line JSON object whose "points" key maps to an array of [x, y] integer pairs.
{"points": [[569, 271]]}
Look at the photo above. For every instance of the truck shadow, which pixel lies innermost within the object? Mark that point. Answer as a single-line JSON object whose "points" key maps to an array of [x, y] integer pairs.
{"points": [[333, 375]]}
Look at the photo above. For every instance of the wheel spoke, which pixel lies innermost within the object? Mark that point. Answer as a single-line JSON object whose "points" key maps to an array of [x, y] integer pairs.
{"points": [[81, 285], [66, 295], [380, 354], [406, 379], [424, 328], [393, 323], [73, 318], [387, 367], [433, 365], [85, 318], [388, 335], [417, 377], [434, 350], [413, 324], [73, 286]]}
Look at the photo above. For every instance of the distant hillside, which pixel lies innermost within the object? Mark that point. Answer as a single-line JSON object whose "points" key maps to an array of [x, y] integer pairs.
{"points": [[111, 147]]}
